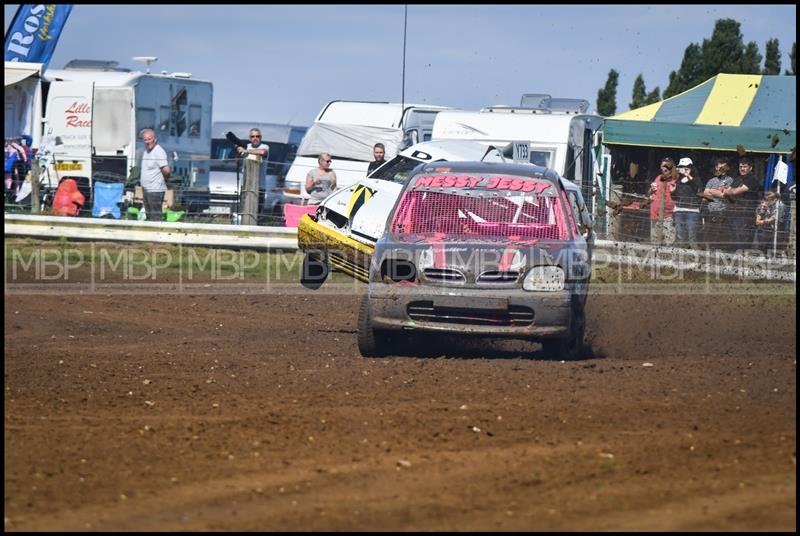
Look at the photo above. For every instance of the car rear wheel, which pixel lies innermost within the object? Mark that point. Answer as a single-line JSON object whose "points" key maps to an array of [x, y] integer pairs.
{"points": [[572, 346], [371, 342]]}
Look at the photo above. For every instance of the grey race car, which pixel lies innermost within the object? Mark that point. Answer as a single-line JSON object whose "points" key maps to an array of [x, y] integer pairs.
{"points": [[485, 249]]}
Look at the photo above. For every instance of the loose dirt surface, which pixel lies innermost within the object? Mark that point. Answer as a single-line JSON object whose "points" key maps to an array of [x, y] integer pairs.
{"points": [[253, 410]]}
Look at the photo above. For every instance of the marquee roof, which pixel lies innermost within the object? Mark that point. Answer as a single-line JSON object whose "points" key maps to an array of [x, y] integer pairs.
{"points": [[756, 112]]}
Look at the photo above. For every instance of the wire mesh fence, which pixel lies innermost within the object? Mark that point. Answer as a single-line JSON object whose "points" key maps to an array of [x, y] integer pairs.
{"points": [[199, 191], [764, 226], [213, 191]]}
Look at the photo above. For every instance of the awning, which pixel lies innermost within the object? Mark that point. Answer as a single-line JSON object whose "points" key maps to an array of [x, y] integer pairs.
{"points": [[16, 72], [728, 111]]}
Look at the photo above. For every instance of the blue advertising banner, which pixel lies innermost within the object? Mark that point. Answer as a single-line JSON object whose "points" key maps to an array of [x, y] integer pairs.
{"points": [[34, 32]]}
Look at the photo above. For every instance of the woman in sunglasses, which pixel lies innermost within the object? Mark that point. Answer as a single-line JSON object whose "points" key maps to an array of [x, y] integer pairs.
{"points": [[662, 227], [320, 181]]}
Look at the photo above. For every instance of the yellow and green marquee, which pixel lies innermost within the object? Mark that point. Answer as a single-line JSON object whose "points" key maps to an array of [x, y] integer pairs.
{"points": [[728, 111]]}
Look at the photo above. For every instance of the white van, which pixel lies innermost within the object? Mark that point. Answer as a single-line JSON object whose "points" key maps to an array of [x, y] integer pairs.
{"points": [[562, 136], [348, 130]]}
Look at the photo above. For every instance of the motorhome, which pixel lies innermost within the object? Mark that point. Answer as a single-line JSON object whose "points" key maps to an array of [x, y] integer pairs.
{"points": [[95, 112], [561, 134], [226, 176], [348, 130]]}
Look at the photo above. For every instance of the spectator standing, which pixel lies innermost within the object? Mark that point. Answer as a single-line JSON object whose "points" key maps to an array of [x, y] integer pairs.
{"points": [[256, 147], [320, 181], [765, 221], [154, 172], [743, 196], [17, 165], [662, 226], [379, 152], [716, 228], [634, 182], [686, 196]]}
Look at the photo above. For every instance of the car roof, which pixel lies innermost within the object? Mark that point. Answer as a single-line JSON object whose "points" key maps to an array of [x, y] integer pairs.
{"points": [[569, 185], [450, 150], [525, 170]]}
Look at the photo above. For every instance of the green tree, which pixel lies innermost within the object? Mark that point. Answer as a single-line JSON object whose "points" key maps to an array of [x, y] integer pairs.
{"points": [[607, 96], [640, 96], [772, 63], [751, 60], [793, 72], [639, 93], [690, 74], [724, 52]]}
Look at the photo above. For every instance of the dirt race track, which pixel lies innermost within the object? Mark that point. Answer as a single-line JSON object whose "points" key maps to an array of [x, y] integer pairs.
{"points": [[255, 411]]}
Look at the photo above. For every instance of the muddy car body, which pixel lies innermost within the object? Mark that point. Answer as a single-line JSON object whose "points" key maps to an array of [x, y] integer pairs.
{"points": [[480, 249]]}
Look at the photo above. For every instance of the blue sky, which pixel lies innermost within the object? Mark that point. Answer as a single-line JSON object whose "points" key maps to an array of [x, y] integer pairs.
{"points": [[282, 63]]}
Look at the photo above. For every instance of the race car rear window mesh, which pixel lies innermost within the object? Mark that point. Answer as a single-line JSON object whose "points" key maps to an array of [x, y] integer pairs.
{"points": [[529, 217]]}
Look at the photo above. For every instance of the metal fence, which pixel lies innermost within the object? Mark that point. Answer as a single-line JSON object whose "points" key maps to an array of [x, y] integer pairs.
{"points": [[767, 226], [199, 191], [212, 191]]}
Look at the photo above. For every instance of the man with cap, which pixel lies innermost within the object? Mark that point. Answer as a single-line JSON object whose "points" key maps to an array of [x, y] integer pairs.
{"points": [[687, 203]]}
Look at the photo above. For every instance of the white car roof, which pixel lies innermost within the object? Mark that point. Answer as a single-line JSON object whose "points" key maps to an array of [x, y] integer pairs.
{"points": [[452, 150]]}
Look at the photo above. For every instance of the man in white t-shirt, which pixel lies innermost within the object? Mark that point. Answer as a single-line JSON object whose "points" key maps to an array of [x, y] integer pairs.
{"points": [[258, 148], [154, 170]]}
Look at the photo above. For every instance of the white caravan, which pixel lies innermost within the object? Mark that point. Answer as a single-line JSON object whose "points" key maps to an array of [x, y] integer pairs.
{"points": [[562, 136], [348, 130], [95, 112]]}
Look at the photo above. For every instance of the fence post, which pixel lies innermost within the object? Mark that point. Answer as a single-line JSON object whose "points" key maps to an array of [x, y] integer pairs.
{"points": [[660, 229], [792, 242], [34, 176], [252, 172]]}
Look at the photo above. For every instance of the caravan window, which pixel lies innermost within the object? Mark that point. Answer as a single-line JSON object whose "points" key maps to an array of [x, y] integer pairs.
{"points": [[163, 121], [179, 113], [194, 121], [146, 118]]}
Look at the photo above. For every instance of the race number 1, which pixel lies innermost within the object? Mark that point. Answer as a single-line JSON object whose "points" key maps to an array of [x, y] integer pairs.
{"points": [[521, 152]]}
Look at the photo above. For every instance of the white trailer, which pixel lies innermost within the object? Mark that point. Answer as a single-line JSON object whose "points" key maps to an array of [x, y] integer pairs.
{"points": [[560, 134], [348, 130], [95, 112]]}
